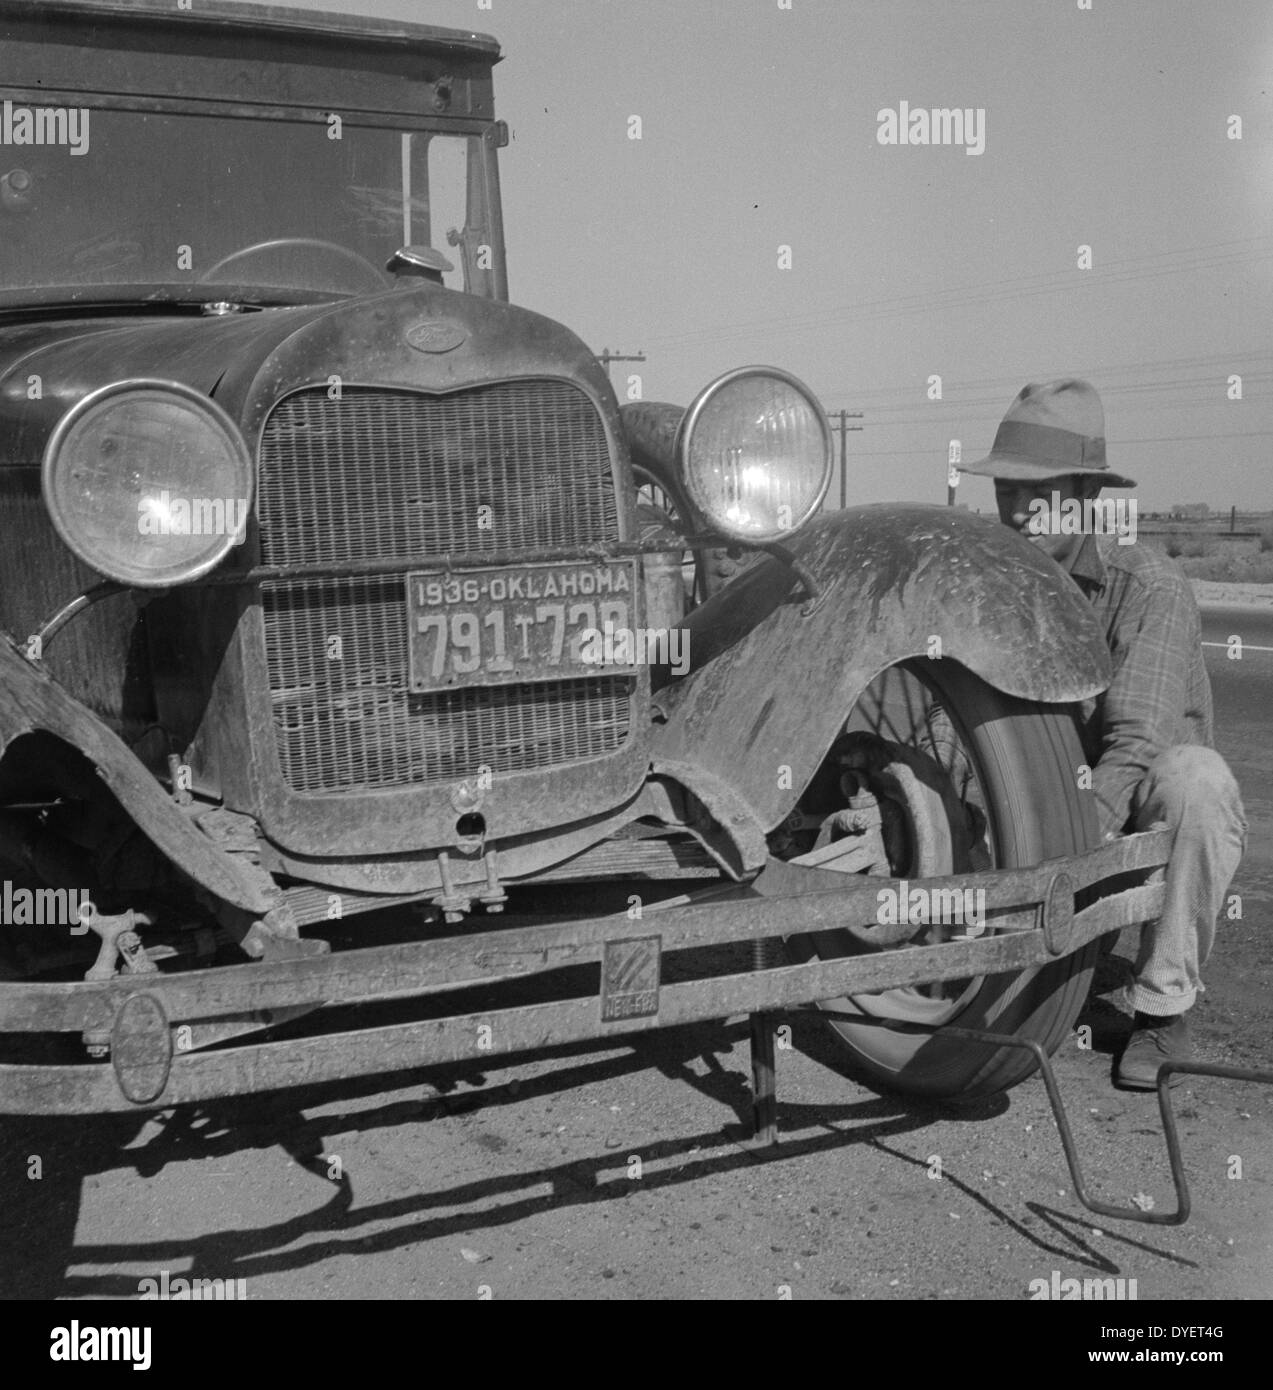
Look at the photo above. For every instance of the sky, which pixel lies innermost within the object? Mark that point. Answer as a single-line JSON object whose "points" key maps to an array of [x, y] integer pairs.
{"points": [[1106, 127]]}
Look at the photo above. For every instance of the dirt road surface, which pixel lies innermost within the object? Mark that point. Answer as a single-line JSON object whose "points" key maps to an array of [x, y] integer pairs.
{"points": [[606, 1174]]}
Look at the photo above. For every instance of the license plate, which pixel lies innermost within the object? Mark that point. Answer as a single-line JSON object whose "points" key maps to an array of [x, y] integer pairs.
{"points": [[517, 623]]}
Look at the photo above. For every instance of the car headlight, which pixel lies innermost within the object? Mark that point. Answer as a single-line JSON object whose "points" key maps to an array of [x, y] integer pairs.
{"points": [[149, 482], [755, 452]]}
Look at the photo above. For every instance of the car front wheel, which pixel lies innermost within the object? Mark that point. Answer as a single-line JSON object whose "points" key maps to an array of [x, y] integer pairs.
{"points": [[959, 777]]}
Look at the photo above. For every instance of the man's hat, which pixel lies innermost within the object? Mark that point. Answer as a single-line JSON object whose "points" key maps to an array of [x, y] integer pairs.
{"points": [[1050, 431]]}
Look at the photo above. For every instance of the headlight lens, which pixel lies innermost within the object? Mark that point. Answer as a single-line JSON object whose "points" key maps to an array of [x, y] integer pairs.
{"points": [[755, 451], [149, 482]]}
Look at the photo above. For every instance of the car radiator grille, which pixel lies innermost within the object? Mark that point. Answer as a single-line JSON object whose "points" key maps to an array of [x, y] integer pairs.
{"points": [[384, 474]]}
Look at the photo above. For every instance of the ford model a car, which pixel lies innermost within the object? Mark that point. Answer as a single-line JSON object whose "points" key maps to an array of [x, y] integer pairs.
{"points": [[360, 649]]}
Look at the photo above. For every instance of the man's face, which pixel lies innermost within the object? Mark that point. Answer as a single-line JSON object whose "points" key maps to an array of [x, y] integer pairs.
{"points": [[1015, 501]]}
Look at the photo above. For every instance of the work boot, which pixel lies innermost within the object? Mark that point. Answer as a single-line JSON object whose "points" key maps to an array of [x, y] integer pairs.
{"points": [[1153, 1041]]}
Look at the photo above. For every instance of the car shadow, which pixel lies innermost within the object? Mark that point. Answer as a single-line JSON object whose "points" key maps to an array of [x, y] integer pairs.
{"points": [[39, 1224]]}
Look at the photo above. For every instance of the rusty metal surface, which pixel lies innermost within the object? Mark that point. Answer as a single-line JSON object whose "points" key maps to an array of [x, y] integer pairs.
{"points": [[206, 649], [769, 687], [650, 428], [73, 355], [428, 966], [655, 857], [257, 58], [630, 973], [328, 569], [726, 822], [141, 1048], [100, 657], [360, 343], [808, 900], [521, 857], [30, 699], [1146, 850], [368, 1052]]}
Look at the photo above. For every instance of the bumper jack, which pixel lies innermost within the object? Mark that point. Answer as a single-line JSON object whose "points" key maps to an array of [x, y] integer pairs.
{"points": [[764, 1136]]}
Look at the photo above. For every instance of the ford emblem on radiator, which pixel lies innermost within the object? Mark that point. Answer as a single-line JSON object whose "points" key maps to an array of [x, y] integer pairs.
{"points": [[436, 335]]}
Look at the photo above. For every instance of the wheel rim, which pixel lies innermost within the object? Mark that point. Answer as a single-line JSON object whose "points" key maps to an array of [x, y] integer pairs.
{"points": [[901, 708]]}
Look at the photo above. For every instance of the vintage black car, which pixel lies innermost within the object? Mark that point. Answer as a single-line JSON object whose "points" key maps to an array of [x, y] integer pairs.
{"points": [[333, 584]]}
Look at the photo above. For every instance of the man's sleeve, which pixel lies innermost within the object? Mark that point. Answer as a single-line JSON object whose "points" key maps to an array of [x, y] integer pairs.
{"points": [[1152, 648]]}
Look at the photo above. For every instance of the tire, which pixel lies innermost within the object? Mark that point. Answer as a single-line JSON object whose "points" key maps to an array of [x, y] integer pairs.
{"points": [[1024, 757]]}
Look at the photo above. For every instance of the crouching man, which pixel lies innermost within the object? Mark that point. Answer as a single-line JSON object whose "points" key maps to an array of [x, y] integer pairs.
{"points": [[1148, 737]]}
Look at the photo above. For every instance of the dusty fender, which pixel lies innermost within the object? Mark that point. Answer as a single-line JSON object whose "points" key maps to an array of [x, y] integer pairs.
{"points": [[31, 700], [770, 683]]}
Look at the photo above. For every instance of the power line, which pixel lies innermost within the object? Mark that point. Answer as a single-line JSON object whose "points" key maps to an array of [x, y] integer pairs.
{"points": [[963, 297], [961, 394], [1116, 272], [1113, 443], [1145, 382], [970, 412], [971, 392]]}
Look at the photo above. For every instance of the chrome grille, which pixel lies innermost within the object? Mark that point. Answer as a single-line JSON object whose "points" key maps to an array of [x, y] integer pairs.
{"points": [[396, 474]]}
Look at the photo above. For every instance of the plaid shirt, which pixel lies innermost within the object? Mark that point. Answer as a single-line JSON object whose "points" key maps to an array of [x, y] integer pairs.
{"points": [[1159, 694]]}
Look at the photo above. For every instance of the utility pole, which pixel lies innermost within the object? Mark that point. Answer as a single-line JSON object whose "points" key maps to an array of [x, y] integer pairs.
{"points": [[605, 357], [845, 427]]}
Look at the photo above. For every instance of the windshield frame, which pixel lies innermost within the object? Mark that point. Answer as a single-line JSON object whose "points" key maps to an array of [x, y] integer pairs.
{"points": [[484, 212]]}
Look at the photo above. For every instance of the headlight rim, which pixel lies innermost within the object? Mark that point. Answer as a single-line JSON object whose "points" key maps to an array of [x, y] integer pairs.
{"points": [[685, 432], [210, 411]]}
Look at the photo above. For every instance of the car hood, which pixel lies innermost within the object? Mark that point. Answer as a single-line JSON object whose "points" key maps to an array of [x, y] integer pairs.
{"points": [[423, 338]]}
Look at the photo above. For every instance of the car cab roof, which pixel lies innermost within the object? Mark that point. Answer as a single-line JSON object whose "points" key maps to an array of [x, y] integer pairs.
{"points": [[243, 60], [258, 18]]}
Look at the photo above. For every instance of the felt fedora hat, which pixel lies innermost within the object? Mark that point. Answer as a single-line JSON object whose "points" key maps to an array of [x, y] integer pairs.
{"points": [[1050, 431]]}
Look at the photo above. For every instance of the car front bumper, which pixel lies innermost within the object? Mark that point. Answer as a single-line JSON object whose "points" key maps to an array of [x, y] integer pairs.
{"points": [[155, 1028]]}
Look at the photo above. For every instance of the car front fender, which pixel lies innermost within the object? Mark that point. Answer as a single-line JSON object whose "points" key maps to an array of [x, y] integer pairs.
{"points": [[31, 700], [770, 683]]}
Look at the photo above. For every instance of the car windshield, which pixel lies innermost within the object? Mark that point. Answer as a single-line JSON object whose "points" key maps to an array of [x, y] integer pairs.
{"points": [[149, 205]]}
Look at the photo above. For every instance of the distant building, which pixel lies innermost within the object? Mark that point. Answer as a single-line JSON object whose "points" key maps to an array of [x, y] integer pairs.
{"points": [[1189, 511]]}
